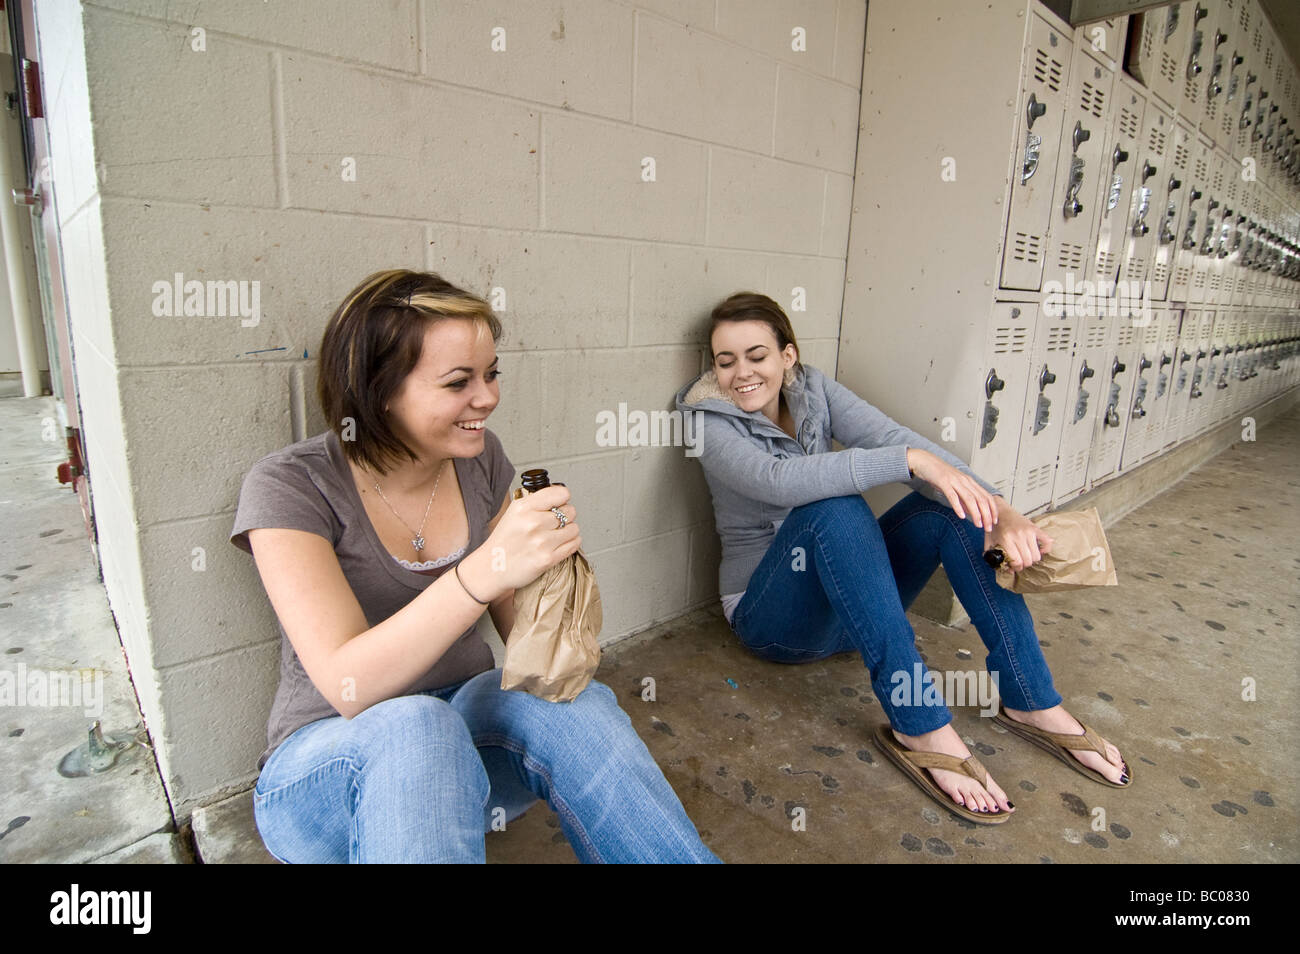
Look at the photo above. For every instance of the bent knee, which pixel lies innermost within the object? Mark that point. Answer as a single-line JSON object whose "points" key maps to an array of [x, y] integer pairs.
{"points": [[410, 722]]}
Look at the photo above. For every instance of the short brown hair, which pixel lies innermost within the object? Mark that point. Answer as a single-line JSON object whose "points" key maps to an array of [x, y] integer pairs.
{"points": [[751, 306], [370, 345]]}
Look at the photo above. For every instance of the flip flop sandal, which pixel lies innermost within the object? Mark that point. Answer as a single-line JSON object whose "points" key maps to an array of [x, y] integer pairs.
{"points": [[913, 765], [1059, 744]]}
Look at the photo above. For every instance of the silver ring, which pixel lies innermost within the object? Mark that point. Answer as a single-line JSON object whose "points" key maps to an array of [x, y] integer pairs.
{"points": [[559, 515]]}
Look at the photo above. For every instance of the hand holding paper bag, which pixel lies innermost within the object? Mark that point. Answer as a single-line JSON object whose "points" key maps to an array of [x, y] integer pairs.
{"points": [[1079, 556], [552, 651]]}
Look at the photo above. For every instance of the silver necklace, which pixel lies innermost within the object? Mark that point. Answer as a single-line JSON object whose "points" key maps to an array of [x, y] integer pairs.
{"points": [[418, 540]]}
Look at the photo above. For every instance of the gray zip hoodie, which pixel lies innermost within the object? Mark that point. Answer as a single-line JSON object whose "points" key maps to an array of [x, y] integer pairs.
{"points": [[757, 473]]}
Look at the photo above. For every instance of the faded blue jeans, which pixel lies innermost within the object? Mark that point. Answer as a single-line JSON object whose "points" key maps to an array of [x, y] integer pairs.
{"points": [[421, 778], [835, 580]]}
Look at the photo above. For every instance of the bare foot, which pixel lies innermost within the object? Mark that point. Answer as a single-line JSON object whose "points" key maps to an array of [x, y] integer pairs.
{"points": [[961, 788], [1056, 719]]}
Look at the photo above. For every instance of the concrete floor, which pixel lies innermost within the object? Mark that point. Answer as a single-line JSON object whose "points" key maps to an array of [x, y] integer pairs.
{"points": [[1207, 599]]}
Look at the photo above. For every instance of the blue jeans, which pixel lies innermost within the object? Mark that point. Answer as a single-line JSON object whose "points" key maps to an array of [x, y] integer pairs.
{"points": [[420, 778], [836, 580]]}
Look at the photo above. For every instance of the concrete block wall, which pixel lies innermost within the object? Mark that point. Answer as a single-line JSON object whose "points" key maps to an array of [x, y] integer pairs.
{"points": [[217, 141]]}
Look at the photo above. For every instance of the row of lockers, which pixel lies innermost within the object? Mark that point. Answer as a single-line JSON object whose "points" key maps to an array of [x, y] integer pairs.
{"points": [[1114, 181], [1071, 401], [1141, 288]]}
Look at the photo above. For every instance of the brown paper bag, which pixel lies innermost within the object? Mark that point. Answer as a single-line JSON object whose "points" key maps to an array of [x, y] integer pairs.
{"points": [[1080, 556], [553, 650]]}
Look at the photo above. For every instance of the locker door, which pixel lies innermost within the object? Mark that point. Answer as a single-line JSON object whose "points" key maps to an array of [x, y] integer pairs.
{"points": [[1181, 375], [1146, 221], [1118, 186], [1045, 409], [1192, 106], [1202, 233], [1038, 137], [1198, 343], [1002, 382], [1146, 331], [1234, 73], [1085, 397], [1220, 28], [1159, 57], [1182, 250], [1160, 398], [1080, 172], [1113, 377]]}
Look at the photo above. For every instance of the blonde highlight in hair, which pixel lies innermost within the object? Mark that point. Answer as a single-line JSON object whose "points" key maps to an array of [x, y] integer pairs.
{"points": [[373, 341]]}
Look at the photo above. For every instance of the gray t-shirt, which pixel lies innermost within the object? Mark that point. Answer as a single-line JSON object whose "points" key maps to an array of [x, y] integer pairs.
{"points": [[308, 486]]}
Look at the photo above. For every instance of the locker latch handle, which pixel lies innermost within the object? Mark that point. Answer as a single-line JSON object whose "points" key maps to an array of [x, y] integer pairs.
{"points": [[1034, 110], [1085, 372], [1045, 378], [993, 383]]}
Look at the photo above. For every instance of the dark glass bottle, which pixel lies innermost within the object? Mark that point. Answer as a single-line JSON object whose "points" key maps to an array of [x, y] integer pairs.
{"points": [[534, 480]]}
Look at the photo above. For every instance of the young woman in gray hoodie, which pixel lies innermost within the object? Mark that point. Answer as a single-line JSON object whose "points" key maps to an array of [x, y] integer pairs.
{"points": [[808, 571]]}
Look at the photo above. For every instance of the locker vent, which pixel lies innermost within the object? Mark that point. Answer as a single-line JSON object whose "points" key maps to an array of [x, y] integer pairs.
{"points": [[1156, 141], [1168, 68], [1181, 273], [1059, 338], [1047, 70], [1243, 20], [1192, 91], [1092, 100], [1128, 123], [1259, 38], [1027, 248], [1158, 271], [1202, 169], [1077, 461], [1038, 477], [1218, 180], [1095, 334], [1211, 110], [1105, 263], [1198, 280], [1069, 255], [1009, 340], [1268, 57], [1148, 39], [1180, 155]]}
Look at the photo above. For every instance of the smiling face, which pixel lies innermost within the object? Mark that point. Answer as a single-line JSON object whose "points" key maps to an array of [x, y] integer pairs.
{"points": [[442, 406], [751, 365]]}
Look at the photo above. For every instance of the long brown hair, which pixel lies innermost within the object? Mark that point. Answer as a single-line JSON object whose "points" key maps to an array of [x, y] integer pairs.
{"points": [[751, 306], [370, 345]]}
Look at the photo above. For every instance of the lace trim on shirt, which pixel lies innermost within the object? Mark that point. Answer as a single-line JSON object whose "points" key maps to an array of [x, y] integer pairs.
{"points": [[432, 564]]}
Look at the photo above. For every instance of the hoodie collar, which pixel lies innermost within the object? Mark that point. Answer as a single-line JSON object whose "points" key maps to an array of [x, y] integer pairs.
{"points": [[705, 394]]}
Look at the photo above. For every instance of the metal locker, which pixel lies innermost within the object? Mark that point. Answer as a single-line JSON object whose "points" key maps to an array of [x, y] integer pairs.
{"points": [[1198, 236], [1157, 206], [1144, 333], [1193, 176], [1113, 377], [1160, 397], [1002, 380], [1080, 171], [1045, 408], [1085, 396], [1197, 338], [1105, 38], [1038, 138], [1220, 28], [1158, 58], [1233, 74], [1114, 230], [1181, 376], [1216, 384], [1192, 104]]}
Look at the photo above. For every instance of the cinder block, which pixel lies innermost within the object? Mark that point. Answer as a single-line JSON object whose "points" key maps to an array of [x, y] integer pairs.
{"points": [[421, 151], [696, 13], [664, 490], [822, 280], [578, 56], [101, 420], [768, 25], [293, 256], [821, 353], [675, 289], [560, 291], [383, 35], [244, 414], [698, 85], [768, 204], [850, 38], [183, 588], [596, 484], [641, 583], [839, 208], [816, 121], [579, 386], [215, 713], [594, 168], [706, 555], [172, 123]]}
